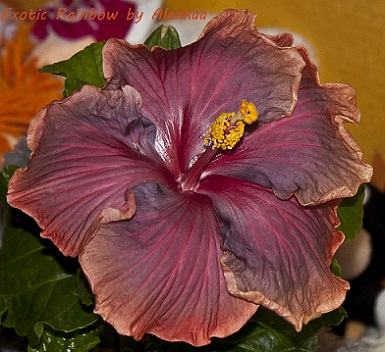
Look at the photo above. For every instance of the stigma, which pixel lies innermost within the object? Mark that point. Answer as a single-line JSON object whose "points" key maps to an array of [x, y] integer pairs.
{"points": [[229, 127]]}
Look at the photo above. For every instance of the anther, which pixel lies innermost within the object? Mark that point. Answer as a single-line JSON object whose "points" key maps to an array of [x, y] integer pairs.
{"points": [[228, 128]]}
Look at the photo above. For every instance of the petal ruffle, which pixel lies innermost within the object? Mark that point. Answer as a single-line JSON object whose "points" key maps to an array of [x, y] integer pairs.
{"points": [[310, 153], [160, 272], [278, 252], [184, 90], [87, 151]]}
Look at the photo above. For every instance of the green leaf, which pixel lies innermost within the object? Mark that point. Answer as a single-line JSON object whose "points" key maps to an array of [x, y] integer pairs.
{"points": [[265, 332], [5, 175], [81, 341], [350, 212], [37, 289], [166, 37], [3, 307], [251, 338], [85, 67], [259, 339], [85, 295], [279, 330], [335, 267], [38, 285]]}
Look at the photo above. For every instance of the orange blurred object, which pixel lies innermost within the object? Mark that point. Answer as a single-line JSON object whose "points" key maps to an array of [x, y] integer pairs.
{"points": [[23, 90], [22, 5]]}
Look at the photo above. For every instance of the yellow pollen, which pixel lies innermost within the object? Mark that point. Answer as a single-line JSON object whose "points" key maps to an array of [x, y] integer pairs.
{"points": [[229, 127]]}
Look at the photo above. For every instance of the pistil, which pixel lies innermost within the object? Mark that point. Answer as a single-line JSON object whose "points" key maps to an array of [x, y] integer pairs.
{"points": [[224, 133]]}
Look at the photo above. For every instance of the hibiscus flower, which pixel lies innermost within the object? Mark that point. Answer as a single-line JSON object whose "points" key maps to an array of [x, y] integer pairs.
{"points": [[199, 183]]}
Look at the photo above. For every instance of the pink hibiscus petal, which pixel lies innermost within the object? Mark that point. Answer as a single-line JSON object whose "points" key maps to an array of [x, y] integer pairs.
{"points": [[185, 90], [160, 272], [87, 151], [278, 252], [310, 153]]}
